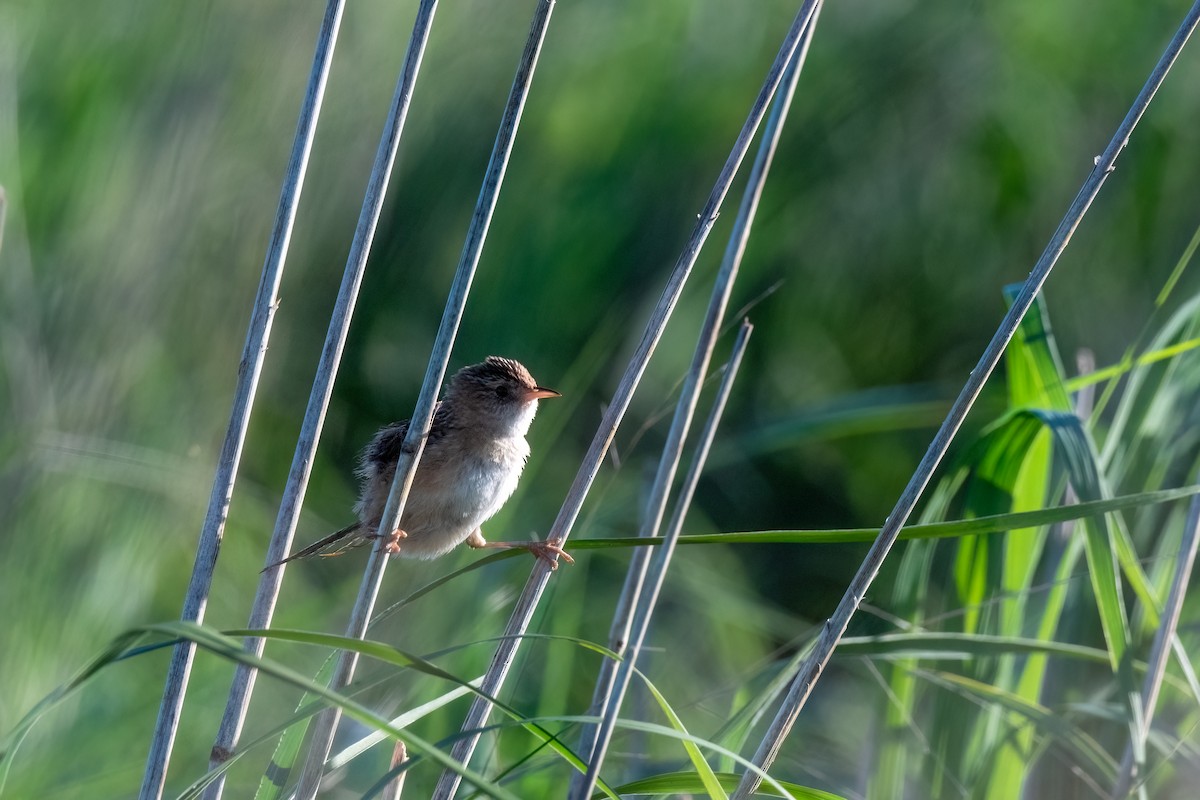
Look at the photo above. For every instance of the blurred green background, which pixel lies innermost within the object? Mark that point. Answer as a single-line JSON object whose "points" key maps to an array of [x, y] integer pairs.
{"points": [[930, 152]]}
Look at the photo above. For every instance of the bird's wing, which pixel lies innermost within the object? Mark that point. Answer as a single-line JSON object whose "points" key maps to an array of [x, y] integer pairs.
{"points": [[384, 449], [385, 446]]}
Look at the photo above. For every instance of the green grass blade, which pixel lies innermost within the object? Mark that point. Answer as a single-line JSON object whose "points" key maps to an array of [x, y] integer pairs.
{"points": [[1146, 359], [1033, 363], [12, 740], [675, 784], [996, 462], [391, 655], [673, 733], [1036, 380], [304, 712], [1085, 748], [1100, 544], [287, 751], [705, 772], [996, 523], [232, 649]]}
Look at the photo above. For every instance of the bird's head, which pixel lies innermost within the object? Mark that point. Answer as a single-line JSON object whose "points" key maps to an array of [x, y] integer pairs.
{"points": [[498, 395]]}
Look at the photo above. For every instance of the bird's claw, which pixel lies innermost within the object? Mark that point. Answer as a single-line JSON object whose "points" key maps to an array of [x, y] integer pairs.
{"points": [[392, 546], [550, 551]]}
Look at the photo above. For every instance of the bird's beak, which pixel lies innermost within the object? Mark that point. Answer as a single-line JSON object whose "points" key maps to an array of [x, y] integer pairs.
{"points": [[540, 393]]}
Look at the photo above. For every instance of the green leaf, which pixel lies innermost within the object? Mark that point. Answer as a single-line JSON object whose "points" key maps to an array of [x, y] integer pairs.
{"points": [[391, 655], [1146, 359], [674, 784], [287, 751], [1086, 749], [1074, 446], [996, 523], [703, 771]]}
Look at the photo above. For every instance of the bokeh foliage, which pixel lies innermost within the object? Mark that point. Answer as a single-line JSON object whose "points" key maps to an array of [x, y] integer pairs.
{"points": [[931, 150]]}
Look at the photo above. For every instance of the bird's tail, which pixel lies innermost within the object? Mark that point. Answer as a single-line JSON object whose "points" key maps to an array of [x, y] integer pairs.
{"points": [[317, 547]]}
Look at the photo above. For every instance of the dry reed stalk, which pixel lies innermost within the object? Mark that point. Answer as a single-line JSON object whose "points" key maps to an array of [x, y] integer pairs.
{"points": [[253, 355], [614, 678], [414, 442], [527, 603], [395, 786], [318, 402]]}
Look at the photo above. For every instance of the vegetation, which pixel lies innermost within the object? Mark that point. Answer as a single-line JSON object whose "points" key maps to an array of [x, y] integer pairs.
{"points": [[930, 151]]}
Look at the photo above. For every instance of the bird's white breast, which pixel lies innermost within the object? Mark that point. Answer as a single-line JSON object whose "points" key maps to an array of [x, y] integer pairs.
{"points": [[492, 475], [442, 515]]}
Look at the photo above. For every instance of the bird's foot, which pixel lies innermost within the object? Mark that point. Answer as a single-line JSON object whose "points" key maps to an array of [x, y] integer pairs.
{"points": [[392, 545], [549, 551]]}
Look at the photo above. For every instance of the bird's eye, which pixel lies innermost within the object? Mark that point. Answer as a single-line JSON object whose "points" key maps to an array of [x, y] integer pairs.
{"points": [[500, 393]]}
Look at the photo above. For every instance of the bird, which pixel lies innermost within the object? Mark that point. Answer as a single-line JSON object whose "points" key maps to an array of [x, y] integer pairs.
{"points": [[474, 455]]}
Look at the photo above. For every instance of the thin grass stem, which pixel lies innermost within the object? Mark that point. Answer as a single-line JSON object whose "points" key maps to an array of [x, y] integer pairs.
{"points": [[1121, 418], [253, 355], [527, 603], [632, 616], [812, 668], [418, 429], [1133, 762]]}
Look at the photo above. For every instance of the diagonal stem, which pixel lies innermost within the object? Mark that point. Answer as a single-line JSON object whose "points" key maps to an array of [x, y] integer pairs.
{"points": [[583, 786], [314, 418], [527, 603], [418, 429], [254, 353], [1160, 651], [835, 627], [632, 617]]}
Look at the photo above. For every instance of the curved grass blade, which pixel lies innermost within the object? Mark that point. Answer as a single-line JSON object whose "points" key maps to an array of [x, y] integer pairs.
{"points": [[705, 772], [12, 740], [396, 657], [672, 733], [1100, 543], [287, 751], [232, 650], [391, 655], [1034, 365], [674, 784], [996, 462], [303, 713], [309, 704], [1086, 749]]}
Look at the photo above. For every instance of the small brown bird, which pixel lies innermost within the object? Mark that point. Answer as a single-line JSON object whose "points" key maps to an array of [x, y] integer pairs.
{"points": [[473, 458]]}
